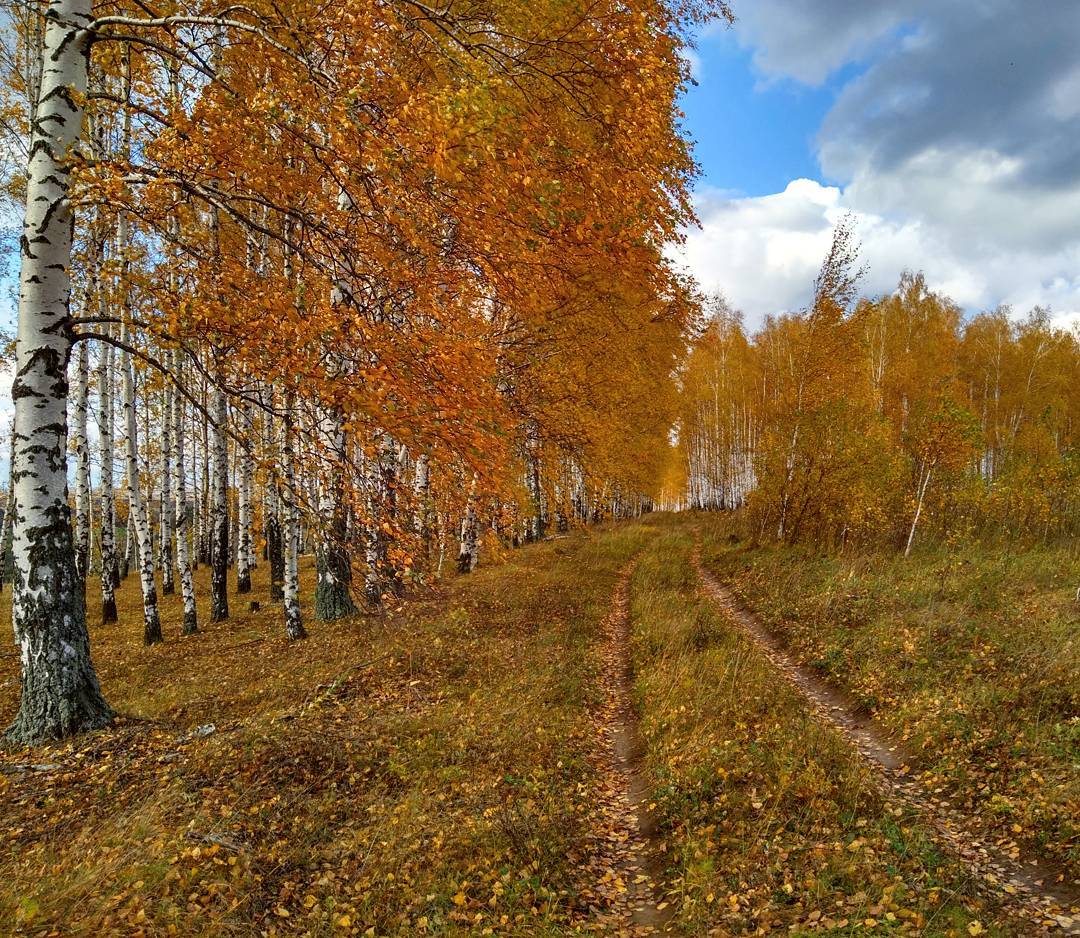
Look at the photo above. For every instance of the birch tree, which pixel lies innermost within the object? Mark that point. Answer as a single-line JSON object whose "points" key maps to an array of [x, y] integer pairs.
{"points": [[166, 505], [294, 624], [182, 514], [245, 546], [107, 499], [60, 690], [82, 460], [138, 522], [219, 509]]}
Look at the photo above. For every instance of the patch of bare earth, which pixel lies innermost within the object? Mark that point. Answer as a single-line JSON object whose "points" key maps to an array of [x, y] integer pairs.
{"points": [[1029, 886], [624, 889]]}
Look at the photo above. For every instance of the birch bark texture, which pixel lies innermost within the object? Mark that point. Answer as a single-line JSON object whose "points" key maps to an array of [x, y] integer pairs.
{"points": [[219, 510], [137, 514], [107, 499], [60, 690], [181, 516], [82, 462], [294, 623], [333, 582]]}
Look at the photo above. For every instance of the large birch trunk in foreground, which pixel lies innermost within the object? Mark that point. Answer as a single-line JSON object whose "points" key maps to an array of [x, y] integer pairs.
{"points": [[60, 691]]}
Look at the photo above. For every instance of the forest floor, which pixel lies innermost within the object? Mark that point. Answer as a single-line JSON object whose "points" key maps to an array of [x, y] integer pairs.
{"points": [[579, 739]]}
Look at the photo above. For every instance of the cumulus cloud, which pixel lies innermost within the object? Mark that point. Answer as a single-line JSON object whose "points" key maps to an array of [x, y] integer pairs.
{"points": [[763, 254], [808, 41], [957, 148]]}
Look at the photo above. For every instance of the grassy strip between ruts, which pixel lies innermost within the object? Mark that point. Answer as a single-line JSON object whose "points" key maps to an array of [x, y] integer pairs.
{"points": [[423, 772], [770, 819], [970, 652]]}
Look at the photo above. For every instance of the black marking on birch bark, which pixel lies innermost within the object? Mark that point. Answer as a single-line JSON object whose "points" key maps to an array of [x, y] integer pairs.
{"points": [[42, 143], [60, 692], [46, 219], [62, 326], [73, 35], [21, 388], [49, 359]]}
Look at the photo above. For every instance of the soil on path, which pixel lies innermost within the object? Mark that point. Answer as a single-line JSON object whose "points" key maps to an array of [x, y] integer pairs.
{"points": [[1030, 886], [625, 892]]}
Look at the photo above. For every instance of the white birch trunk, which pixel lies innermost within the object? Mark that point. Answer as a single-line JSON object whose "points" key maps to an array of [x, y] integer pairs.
{"points": [[333, 576], [9, 508], [137, 520], [924, 483], [219, 510], [60, 691], [294, 624], [107, 539], [181, 516], [272, 522], [422, 516], [469, 552], [166, 507], [82, 461], [245, 538]]}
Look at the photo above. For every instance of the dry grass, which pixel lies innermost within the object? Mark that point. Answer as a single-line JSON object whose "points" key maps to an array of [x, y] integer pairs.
{"points": [[427, 771], [969, 652], [419, 772], [771, 818]]}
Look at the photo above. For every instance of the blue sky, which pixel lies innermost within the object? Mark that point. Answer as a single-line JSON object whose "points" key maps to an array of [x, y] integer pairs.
{"points": [[949, 131], [752, 136]]}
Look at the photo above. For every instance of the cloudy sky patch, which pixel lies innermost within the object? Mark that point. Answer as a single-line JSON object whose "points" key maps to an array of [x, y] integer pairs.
{"points": [[950, 130]]}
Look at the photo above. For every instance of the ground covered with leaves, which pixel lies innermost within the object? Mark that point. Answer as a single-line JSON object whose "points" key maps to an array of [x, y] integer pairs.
{"points": [[969, 654], [424, 771], [772, 821], [439, 768]]}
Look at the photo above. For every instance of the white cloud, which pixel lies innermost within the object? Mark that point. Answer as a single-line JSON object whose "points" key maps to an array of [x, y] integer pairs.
{"points": [[957, 149], [808, 41], [764, 253]]}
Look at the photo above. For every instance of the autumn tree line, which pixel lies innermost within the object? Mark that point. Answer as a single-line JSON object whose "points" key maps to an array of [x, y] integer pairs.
{"points": [[883, 421], [376, 280]]}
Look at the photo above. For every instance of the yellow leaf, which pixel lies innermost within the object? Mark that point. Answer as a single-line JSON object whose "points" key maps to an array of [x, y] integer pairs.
{"points": [[459, 899], [975, 928]]}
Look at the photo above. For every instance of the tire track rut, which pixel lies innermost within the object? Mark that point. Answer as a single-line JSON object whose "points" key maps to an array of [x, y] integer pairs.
{"points": [[625, 864], [1028, 885]]}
